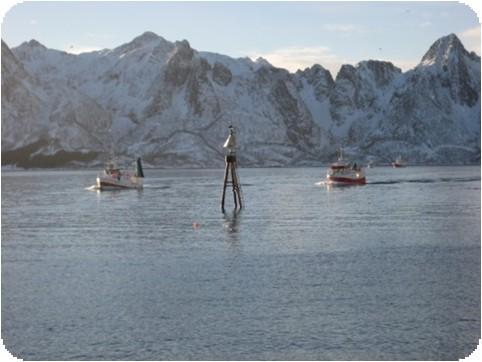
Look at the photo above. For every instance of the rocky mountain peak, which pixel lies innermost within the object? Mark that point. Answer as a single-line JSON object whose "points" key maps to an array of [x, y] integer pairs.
{"points": [[35, 44], [379, 65], [183, 44], [31, 45], [262, 62], [443, 50], [147, 41], [180, 63], [381, 71], [319, 77], [458, 70], [10, 64], [316, 71], [146, 37], [6, 49], [347, 71]]}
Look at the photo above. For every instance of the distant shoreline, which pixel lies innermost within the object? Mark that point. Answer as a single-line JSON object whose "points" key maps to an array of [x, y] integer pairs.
{"points": [[8, 168]]}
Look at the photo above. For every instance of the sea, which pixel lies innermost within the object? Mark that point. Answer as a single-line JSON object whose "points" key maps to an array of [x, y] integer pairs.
{"points": [[385, 271]]}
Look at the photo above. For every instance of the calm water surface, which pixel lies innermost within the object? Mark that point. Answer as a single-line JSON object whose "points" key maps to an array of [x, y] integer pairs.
{"points": [[389, 270]]}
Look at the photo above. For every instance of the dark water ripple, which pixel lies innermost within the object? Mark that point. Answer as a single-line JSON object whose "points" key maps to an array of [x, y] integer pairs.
{"points": [[451, 180], [386, 271]]}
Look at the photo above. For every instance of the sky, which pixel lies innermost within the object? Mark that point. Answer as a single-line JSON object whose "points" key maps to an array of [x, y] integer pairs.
{"points": [[291, 35]]}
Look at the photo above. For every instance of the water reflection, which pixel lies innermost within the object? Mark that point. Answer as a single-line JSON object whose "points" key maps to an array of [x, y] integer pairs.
{"points": [[115, 195], [231, 224], [332, 187]]}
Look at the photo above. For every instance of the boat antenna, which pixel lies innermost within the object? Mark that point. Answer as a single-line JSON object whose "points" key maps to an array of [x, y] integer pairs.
{"points": [[139, 170]]}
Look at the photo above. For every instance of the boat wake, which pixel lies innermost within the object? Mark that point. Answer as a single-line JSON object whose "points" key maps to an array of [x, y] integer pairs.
{"points": [[408, 181], [425, 181], [156, 187], [331, 185], [151, 187]]}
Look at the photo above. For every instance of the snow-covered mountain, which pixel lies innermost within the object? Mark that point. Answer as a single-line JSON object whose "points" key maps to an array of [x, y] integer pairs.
{"points": [[171, 105]]}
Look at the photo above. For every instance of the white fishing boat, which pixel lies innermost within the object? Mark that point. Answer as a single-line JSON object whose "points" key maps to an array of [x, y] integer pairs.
{"points": [[116, 178], [343, 173]]}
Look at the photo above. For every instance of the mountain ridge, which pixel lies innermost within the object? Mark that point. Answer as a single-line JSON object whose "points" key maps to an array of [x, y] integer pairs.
{"points": [[171, 104]]}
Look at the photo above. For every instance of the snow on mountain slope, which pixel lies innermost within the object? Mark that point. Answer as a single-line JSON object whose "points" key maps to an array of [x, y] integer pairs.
{"points": [[171, 105], [437, 108], [24, 108], [43, 120]]}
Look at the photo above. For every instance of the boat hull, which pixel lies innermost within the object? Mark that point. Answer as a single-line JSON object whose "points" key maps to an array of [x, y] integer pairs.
{"points": [[345, 181], [109, 183]]}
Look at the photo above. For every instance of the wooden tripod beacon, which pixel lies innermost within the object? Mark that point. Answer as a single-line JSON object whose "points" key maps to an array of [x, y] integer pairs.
{"points": [[230, 167]]}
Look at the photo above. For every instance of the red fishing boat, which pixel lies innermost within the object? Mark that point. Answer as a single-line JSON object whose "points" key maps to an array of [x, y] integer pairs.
{"points": [[342, 173], [399, 162]]}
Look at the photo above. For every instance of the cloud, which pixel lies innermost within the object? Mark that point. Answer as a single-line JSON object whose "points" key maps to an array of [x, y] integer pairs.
{"points": [[74, 49], [294, 58], [471, 39], [404, 64], [33, 22], [472, 32]]}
